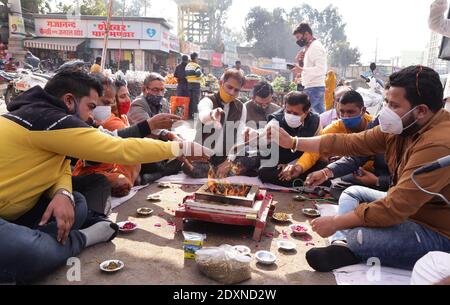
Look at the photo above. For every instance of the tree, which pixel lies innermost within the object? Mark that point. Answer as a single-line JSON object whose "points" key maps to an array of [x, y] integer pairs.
{"points": [[33, 6], [270, 33], [217, 11], [86, 7], [343, 55], [135, 8]]}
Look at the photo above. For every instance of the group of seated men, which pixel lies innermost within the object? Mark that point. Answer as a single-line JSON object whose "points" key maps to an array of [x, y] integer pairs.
{"points": [[50, 210]]}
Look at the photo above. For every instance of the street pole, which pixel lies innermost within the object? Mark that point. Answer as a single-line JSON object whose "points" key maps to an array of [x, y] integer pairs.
{"points": [[108, 25], [16, 31], [376, 52]]}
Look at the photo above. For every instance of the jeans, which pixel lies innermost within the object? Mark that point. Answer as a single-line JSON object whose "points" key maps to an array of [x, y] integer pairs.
{"points": [[194, 95], [399, 246], [28, 251], [350, 200], [317, 98]]}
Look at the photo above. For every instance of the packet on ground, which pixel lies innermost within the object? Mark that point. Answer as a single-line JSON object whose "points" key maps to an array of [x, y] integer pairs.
{"points": [[224, 264], [192, 243]]}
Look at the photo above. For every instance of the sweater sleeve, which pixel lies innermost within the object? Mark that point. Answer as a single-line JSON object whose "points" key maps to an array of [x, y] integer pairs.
{"points": [[437, 20], [90, 144], [137, 113], [365, 144], [64, 182]]}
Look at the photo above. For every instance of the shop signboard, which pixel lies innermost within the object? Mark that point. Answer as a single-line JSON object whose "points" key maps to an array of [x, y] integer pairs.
{"points": [[61, 28]]}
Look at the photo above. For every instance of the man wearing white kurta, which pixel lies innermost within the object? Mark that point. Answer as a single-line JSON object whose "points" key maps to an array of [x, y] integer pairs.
{"points": [[440, 24]]}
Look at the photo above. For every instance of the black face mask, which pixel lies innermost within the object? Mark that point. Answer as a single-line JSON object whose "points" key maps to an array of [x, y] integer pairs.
{"points": [[302, 43], [154, 99]]}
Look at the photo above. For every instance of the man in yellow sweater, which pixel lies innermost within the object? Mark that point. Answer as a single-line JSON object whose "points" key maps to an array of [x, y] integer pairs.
{"points": [[40, 218], [353, 119]]}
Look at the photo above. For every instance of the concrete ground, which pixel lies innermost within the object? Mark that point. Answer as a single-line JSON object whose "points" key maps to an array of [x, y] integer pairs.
{"points": [[154, 255]]}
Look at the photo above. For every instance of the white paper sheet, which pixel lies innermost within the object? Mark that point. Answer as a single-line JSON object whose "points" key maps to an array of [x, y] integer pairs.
{"points": [[115, 202], [363, 274]]}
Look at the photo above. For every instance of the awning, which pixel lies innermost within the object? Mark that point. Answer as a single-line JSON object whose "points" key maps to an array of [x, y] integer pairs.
{"points": [[261, 72], [58, 44]]}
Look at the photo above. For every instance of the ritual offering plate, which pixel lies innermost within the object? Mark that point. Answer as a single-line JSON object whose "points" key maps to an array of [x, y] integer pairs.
{"points": [[112, 266], [313, 213], [286, 245], [127, 226], [265, 257], [299, 230], [243, 250], [282, 217], [144, 211]]}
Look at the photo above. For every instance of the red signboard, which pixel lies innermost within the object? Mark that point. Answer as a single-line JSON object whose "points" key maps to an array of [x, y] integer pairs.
{"points": [[216, 60]]}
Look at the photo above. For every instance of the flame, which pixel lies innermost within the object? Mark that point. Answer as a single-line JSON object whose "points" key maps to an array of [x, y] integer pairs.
{"points": [[225, 188]]}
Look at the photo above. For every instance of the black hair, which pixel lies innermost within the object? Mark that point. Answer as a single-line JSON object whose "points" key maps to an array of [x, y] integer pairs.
{"points": [[104, 81], [184, 58], [262, 90], [422, 85], [296, 98], [194, 56], [119, 83], [352, 97], [75, 82], [303, 28], [238, 62], [98, 60]]}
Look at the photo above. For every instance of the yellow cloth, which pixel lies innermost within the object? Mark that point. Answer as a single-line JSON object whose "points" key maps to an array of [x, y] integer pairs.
{"points": [[330, 87], [96, 69], [308, 160], [34, 162]]}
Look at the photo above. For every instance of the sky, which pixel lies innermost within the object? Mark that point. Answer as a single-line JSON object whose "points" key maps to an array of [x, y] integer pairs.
{"points": [[397, 25]]}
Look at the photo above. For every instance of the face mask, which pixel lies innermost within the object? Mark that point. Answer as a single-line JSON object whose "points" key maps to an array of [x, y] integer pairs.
{"points": [[352, 123], [226, 98], [392, 123], [102, 113], [293, 121], [124, 108], [154, 99], [302, 43]]}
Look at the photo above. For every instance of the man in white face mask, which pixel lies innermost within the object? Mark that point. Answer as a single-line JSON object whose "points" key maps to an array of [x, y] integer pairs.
{"points": [[400, 226], [298, 120]]}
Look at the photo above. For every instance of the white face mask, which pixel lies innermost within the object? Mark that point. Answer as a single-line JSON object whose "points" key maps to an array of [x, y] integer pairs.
{"points": [[102, 113], [391, 122], [294, 121]]}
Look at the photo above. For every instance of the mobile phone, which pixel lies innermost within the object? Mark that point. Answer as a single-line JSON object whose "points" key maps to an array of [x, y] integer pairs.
{"points": [[290, 66]]}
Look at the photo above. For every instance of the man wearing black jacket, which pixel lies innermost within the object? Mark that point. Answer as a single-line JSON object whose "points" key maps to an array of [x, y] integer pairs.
{"points": [[180, 75]]}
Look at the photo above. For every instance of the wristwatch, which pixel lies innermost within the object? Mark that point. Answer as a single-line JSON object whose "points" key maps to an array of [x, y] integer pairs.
{"points": [[69, 195]]}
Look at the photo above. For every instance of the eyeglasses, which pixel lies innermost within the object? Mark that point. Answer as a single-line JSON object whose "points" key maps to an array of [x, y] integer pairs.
{"points": [[417, 80], [156, 90]]}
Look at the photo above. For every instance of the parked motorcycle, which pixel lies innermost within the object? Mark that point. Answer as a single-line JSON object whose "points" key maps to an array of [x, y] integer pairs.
{"points": [[374, 95], [22, 81]]}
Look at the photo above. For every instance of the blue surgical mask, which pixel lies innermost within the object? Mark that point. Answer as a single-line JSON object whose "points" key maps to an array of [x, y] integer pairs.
{"points": [[352, 123]]}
